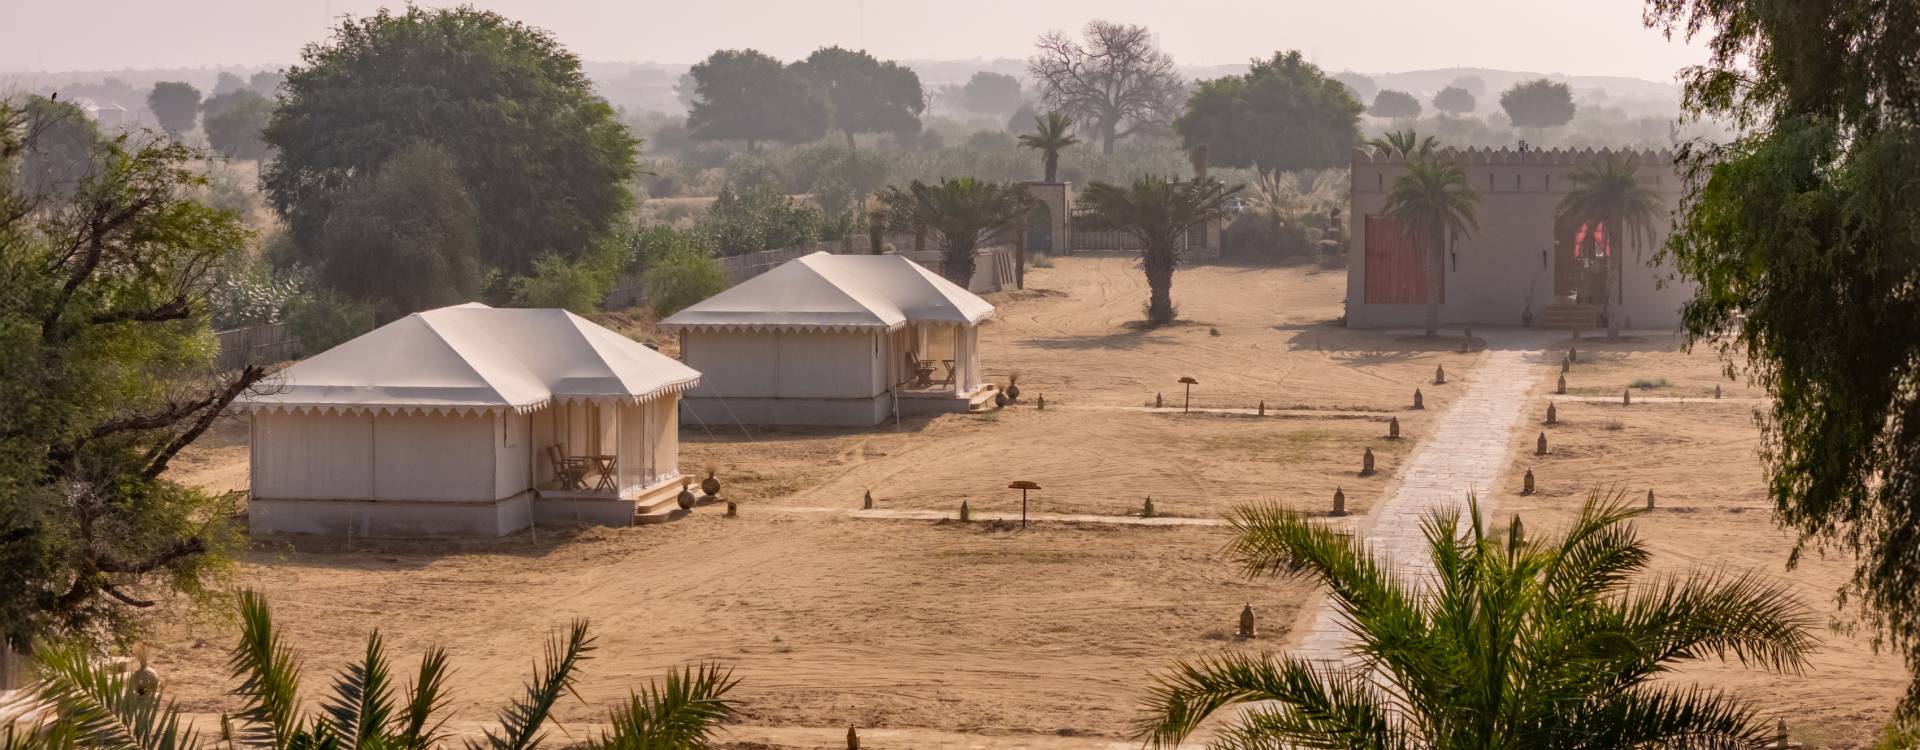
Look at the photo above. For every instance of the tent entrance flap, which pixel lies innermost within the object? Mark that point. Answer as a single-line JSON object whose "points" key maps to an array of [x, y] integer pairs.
{"points": [[626, 447]]}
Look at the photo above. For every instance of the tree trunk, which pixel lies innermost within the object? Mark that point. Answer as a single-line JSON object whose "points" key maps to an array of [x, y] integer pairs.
{"points": [[1053, 165], [849, 133], [1436, 265], [1107, 135], [1159, 265], [1613, 296], [956, 263]]}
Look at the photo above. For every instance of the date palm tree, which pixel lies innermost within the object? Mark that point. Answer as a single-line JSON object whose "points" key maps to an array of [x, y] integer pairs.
{"points": [[1435, 206], [1159, 213], [1405, 144], [1050, 135], [960, 214], [1513, 643], [96, 708], [1609, 195]]}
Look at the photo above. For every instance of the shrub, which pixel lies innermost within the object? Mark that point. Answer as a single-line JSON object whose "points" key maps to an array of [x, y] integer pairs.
{"points": [[683, 277], [1646, 383], [741, 222], [1042, 260], [557, 282], [323, 321], [250, 296]]}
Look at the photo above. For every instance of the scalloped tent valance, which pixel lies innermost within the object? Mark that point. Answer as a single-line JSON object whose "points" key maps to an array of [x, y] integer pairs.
{"points": [[823, 292]]}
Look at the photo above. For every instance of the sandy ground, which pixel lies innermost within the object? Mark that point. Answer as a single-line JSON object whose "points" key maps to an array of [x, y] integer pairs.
{"points": [[1713, 513], [942, 635]]}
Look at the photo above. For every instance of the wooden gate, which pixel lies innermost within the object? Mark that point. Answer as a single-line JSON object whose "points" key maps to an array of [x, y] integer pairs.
{"points": [[1396, 272]]}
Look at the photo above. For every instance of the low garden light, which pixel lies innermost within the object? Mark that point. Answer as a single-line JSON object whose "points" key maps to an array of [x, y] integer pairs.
{"points": [[1189, 383], [1024, 487]]}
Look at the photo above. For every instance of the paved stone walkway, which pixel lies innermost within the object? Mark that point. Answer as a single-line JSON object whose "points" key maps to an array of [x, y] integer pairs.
{"points": [[1466, 451], [1249, 412]]}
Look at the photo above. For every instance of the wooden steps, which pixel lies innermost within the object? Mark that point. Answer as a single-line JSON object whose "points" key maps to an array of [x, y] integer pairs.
{"points": [[1570, 317], [982, 400]]}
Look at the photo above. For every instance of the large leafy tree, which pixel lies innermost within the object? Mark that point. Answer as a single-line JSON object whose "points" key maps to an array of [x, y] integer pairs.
{"points": [[545, 159], [107, 377], [1540, 103], [1454, 100], [1117, 82], [865, 94], [1801, 236], [406, 237], [1159, 213], [993, 94], [1397, 105], [1283, 114], [1514, 643], [960, 214], [1435, 206], [1610, 196], [1051, 135], [62, 147], [176, 104], [745, 95], [233, 122]]}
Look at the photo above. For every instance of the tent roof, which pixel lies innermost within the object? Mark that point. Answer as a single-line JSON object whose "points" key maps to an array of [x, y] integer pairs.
{"points": [[836, 292], [476, 358]]}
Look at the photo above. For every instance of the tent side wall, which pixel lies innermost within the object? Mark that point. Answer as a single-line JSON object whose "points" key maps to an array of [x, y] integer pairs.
{"points": [[787, 377], [380, 475]]}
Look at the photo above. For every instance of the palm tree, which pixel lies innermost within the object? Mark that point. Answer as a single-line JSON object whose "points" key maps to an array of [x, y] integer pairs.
{"points": [[1050, 135], [1405, 144], [1609, 196], [1158, 212], [1434, 205], [1514, 643], [960, 214], [99, 709]]}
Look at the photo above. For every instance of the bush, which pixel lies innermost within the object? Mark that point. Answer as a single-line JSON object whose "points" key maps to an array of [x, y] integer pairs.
{"points": [[1042, 260], [760, 219], [323, 321], [556, 282], [683, 277], [250, 296]]}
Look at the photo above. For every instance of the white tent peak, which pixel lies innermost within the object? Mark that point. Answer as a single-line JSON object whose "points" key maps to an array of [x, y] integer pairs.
{"points": [[823, 291], [472, 356]]}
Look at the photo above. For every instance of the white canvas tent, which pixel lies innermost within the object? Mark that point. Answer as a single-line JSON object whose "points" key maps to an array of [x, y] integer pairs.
{"points": [[448, 422], [833, 340]]}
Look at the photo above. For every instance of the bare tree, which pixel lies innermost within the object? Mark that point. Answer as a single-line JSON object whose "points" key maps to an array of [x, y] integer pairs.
{"points": [[1117, 82]]}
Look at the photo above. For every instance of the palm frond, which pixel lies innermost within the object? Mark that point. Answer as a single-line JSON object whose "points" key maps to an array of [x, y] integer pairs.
{"points": [[103, 709], [1318, 705], [426, 699], [681, 714], [269, 675], [522, 721], [362, 701], [37, 736], [1668, 717], [1757, 622]]}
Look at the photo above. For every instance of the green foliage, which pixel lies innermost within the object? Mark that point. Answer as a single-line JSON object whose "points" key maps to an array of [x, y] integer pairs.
{"points": [[1362, 87], [98, 707], [992, 94], [247, 293], [63, 151], [176, 105], [864, 95], [107, 377], [560, 283], [322, 320], [1051, 135], [1539, 103], [682, 277], [1159, 213], [405, 238], [1435, 206], [1283, 114], [1515, 642], [1800, 234], [1396, 105], [1610, 194], [762, 218], [233, 122], [546, 163], [1454, 100], [681, 714], [959, 214], [1405, 143], [744, 95]]}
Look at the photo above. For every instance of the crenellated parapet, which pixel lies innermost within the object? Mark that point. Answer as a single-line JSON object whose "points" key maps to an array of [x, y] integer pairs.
{"points": [[1516, 157]]}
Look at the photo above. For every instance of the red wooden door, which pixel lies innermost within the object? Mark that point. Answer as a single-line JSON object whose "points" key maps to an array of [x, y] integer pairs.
{"points": [[1396, 272]]}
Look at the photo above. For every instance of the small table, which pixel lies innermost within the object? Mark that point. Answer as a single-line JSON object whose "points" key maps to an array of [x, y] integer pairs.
{"points": [[949, 365], [605, 466]]}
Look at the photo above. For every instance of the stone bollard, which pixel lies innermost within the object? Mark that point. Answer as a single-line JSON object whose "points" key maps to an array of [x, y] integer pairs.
{"points": [[1366, 463], [1573, 354], [1780, 735], [1439, 375], [1526, 485], [866, 502], [1146, 511], [1540, 446], [1040, 402], [1339, 502], [853, 739], [1157, 402], [1560, 386], [1263, 407], [1418, 401], [1247, 628], [1393, 428], [1649, 499], [1626, 397], [733, 509], [1553, 415], [1566, 365], [1716, 391], [966, 514]]}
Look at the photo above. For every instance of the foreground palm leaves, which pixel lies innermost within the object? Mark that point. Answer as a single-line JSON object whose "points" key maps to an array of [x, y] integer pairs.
{"points": [[1516, 643], [99, 709]]}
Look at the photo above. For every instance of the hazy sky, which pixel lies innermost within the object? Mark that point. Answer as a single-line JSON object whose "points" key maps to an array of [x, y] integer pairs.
{"points": [[1591, 37]]}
